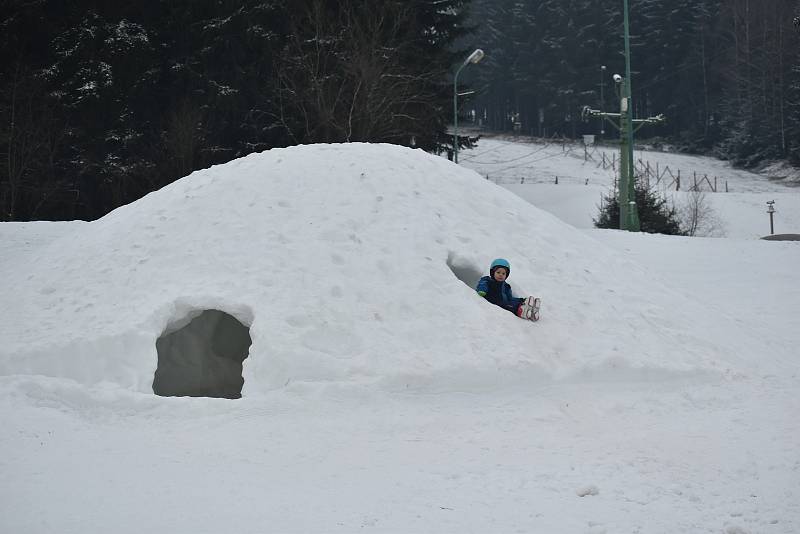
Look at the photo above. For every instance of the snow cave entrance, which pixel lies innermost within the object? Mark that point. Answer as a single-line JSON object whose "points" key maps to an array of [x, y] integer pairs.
{"points": [[464, 270], [201, 356]]}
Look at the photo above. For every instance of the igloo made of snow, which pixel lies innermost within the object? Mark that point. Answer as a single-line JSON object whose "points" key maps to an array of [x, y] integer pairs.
{"points": [[344, 263]]}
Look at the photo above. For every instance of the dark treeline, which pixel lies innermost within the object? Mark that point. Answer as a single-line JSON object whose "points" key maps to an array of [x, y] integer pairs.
{"points": [[725, 73], [103, 102]]}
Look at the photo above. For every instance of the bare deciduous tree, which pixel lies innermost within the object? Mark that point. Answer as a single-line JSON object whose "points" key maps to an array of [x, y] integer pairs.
{"points": [[183, 138], [697, 217], [29, 137], [349, 74]]}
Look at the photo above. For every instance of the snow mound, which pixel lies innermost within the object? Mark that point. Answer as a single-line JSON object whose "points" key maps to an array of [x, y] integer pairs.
{"points": [[346, 263]]}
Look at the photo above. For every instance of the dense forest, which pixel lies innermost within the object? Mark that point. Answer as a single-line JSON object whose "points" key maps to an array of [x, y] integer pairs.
{"points": [[103, 102], [725, 73]]}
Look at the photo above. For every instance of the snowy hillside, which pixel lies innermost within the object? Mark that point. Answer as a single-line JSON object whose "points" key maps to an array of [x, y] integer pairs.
{"points": [[530, 169], [380, 392]]}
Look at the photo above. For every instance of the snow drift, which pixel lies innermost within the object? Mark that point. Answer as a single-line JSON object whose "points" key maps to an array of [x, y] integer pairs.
{"points": [[345, 263]]}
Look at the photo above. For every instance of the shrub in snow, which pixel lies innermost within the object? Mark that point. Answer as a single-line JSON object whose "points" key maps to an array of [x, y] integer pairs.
{"points": [[698, 218], [655, 215]]}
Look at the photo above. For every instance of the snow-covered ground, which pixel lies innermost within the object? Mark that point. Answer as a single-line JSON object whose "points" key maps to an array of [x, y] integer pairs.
{"points": [[381, 394], [530, 168]]}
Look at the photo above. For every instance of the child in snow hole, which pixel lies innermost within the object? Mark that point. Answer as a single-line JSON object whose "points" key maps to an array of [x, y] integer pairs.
{"points": [[496, 290]]}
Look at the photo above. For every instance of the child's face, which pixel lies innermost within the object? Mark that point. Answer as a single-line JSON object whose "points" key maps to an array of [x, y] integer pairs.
{"points": [[500, 274]]}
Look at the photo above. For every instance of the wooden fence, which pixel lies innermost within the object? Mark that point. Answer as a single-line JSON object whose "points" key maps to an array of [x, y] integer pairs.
{"points": [[664, 177]]}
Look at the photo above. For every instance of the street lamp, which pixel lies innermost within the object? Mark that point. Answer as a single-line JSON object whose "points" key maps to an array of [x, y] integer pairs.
{"points": [[474, 57]]}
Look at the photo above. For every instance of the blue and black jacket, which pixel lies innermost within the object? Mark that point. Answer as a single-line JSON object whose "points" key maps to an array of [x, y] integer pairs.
{"points": [[498, 293]]}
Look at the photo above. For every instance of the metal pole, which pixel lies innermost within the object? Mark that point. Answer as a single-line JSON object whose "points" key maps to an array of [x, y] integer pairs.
{"points": [[622, 194], [455, 114], [771, 211], [632, 224]]}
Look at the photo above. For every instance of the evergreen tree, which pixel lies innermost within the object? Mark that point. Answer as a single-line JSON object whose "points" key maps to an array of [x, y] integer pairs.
{"points": [[497, 32], [668, 49], [99, 69], [656, 216], [216, 74], [758, 80], [793, 104], [543, 61], [137, 97]]}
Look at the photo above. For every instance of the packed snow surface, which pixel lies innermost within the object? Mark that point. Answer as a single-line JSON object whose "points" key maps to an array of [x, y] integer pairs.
{"points": [[381, 393]]}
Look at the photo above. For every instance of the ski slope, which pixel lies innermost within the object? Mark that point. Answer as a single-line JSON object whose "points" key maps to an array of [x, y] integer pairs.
{"points": [[530, 168]]}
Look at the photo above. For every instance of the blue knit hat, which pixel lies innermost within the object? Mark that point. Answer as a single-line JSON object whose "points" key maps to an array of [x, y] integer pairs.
{"points": [[500, 262]]}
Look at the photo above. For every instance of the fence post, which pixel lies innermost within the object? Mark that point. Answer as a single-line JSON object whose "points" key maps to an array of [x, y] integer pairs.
{"points": [[678, 181], [715, 184], [556, 180]]}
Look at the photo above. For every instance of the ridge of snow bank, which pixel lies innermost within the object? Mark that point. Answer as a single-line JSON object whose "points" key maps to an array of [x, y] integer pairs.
{"points": [[336, 256]]}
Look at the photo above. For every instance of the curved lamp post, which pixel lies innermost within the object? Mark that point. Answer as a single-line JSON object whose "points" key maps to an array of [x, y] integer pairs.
{"points": [[474, 57]]}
